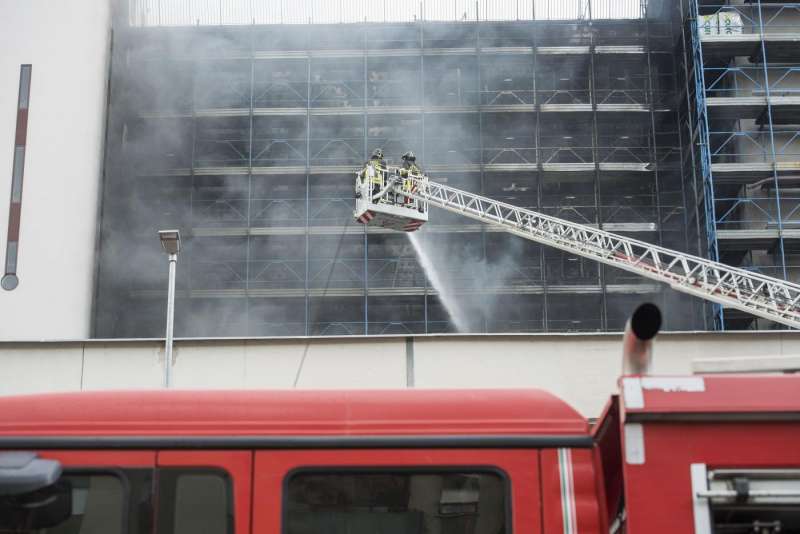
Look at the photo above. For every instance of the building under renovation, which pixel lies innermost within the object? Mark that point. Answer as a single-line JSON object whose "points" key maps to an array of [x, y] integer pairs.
{"points": [[243, 124], [743, 97]]}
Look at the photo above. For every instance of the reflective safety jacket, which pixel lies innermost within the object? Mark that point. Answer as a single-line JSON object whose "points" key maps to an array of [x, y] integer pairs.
{"points": [[411, 169], [373, 170]]}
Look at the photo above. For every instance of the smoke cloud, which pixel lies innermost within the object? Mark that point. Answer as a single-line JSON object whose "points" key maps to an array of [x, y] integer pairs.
{"points": [[264, 203]]}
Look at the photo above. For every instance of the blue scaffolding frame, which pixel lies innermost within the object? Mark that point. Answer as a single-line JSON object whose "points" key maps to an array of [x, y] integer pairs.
{"points": [[702, 128], [722, 138]]}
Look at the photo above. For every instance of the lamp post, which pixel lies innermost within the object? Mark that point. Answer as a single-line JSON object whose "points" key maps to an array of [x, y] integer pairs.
{"points": [[171, 241]]}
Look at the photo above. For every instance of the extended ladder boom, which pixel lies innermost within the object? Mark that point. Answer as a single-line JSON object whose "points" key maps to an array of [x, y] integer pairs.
{"points": [[754, 293]]}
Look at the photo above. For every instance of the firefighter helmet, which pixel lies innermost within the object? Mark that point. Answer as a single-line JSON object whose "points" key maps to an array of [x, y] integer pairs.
{"points": [[409, 156], [377, 153]]}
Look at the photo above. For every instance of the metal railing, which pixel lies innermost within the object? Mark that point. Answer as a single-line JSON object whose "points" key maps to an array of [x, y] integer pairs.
{"points": [[238, 12], [757, 213], [750, 18], [770, 298], [749, 146], [750, 81]]}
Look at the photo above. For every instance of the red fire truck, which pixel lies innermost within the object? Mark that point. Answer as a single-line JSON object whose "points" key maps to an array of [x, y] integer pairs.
{"points": [[670, 454]]}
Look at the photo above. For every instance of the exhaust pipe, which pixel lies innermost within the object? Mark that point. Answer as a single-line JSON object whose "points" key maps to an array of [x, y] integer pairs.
{"points": [[637, 342]]}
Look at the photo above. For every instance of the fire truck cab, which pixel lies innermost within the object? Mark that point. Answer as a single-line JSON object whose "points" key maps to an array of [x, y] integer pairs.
{"points": [[299, 462], [670, 454]]}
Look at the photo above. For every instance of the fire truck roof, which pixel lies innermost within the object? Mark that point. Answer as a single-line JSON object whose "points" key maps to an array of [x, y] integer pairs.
{"points": [[297, 413], [714, 397]]}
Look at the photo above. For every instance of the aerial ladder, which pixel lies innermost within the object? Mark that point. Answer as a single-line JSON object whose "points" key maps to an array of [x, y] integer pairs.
{"points": [[402, 199]]}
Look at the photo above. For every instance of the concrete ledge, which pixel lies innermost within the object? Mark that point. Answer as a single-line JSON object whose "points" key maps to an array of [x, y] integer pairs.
{"points": [[580, 368], [746, 364]]}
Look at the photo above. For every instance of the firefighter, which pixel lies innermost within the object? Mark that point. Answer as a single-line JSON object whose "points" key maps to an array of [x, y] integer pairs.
{"points": [[374, 170], [409, 167]]}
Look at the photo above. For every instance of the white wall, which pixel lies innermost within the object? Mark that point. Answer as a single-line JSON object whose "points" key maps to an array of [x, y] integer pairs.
{"points": [[68, 45], [581, 369]]}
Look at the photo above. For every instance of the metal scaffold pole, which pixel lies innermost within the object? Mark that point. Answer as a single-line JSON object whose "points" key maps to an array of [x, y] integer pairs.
{"points": [[702, 131]]}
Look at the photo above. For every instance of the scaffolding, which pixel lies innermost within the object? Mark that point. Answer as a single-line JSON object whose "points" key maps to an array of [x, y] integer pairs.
{"points": [[246, 12], [744, 73], [246, 138]]}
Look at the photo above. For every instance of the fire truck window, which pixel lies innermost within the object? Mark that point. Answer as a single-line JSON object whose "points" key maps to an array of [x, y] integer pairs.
{"points": [[772, 513], [396, 503], [193, 501], [97, 506]]}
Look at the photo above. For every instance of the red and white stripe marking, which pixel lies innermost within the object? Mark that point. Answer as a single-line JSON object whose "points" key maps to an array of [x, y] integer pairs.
{"points": [[568, 514], [412, 226], [10, 280], [366, 217]]}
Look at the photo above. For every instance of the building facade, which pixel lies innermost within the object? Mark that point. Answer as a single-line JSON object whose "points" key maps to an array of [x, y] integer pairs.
{"points": [[243, 125], [247, 138]]}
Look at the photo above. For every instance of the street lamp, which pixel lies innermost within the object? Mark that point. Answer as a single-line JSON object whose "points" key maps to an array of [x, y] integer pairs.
{"points": [[171, 241]]}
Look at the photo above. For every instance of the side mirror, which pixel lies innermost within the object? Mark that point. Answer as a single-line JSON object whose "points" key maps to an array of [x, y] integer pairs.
{"points": [[31, 496], [24, 472]]}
